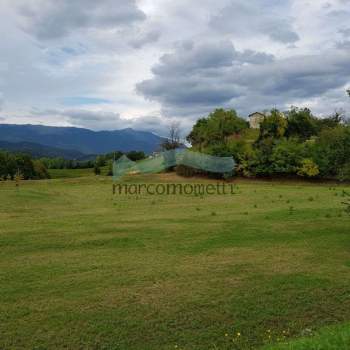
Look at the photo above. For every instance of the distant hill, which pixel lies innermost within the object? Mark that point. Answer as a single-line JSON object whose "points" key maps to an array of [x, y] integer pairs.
{"points": [[82, 140], [39, 151]]}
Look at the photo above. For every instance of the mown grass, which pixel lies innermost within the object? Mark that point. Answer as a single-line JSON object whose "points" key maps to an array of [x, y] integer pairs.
{"points": [[83, 269]]}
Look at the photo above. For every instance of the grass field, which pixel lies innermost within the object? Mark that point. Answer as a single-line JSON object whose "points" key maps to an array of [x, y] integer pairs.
{"points": [[70, 173], [74, 173], [83, 269]]}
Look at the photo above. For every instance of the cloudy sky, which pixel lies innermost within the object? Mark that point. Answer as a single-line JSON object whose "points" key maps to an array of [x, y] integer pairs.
{"points": [[111, 64]]}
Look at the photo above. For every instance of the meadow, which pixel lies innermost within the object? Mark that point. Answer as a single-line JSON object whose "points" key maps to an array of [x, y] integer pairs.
{"points": [[74, 173], [81, 268]]}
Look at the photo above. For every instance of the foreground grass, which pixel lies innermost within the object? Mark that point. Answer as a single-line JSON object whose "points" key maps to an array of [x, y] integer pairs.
{"points": [[330, 338], [83, 269]]}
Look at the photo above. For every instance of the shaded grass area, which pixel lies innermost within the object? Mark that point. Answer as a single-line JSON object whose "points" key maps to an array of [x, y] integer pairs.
{"points": [[83, 269]]}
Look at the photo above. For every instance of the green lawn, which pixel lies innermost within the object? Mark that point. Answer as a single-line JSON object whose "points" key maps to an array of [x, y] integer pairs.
{"points": [[83, 269]]}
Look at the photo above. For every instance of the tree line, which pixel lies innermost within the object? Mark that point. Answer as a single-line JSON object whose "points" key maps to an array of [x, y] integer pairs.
{"points": [[293, 143], [26, 167], [21, 165]]}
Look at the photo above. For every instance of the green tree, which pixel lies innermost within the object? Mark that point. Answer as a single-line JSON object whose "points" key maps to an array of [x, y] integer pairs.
{"points": [[25, 165], [301, 123], [272, 130], [100, 161], [198, 136], [11, 166], [215, 131], [136, 155], [222, 124], [273, 126], [331, 150]]}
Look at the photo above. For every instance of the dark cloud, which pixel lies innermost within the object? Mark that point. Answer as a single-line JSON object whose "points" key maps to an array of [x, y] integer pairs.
{"points": [[345, 32], [246, 18], [345, 44], [339, 15], [87, 118], [52, 19], [193, 75], [224, 77], [145, 38], [190, 58]]}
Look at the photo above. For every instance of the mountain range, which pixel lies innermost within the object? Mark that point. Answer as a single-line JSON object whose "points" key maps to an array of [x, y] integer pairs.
{"points": [[74, 143]]}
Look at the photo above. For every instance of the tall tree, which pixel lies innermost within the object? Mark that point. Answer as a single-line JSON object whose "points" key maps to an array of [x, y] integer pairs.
{"points": [[173, 140]]}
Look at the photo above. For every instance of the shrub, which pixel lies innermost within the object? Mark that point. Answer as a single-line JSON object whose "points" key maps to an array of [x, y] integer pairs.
{"points": [[287, 156], [308, 168], [40, 170]]}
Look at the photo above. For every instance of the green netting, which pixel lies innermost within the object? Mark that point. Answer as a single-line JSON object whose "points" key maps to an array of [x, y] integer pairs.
{"points": [[172, 158], [205, 162], [123, 166]]}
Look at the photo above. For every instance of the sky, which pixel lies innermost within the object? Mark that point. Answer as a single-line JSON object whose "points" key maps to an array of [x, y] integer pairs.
{"points": [[114, 64]]}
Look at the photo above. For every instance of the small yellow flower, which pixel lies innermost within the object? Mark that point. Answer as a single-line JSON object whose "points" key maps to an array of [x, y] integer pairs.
{"points": [[238, 334], [269, 331], [226, 335]]}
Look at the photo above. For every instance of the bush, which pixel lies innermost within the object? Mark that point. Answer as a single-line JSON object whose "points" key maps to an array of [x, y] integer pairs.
{"points": [[308, 168], [287, 156], [331, 150], [40, 170]]}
